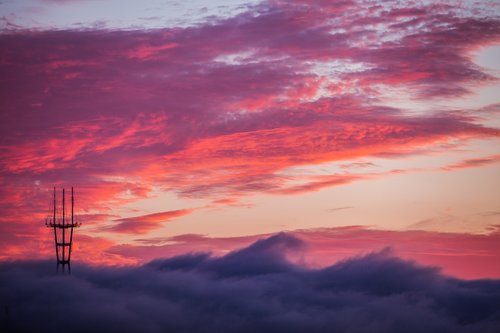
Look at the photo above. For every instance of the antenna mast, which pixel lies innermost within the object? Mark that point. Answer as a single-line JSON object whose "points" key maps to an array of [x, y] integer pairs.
{"points": [[60, 226]]}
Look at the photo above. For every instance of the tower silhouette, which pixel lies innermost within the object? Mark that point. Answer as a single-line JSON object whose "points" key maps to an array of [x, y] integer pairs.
{"points": [[63, 231]]}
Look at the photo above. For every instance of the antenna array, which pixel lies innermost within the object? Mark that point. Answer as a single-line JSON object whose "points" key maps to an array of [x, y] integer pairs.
{"points": [[63, 230]]}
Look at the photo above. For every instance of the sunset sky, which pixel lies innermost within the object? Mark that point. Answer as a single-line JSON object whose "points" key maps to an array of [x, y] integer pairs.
{"points": [[188, 126]]}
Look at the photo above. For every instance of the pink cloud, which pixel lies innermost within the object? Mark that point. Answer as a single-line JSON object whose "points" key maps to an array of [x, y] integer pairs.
{"points": [[148, 52], [320, 182], [474, 162], [145, 223]]}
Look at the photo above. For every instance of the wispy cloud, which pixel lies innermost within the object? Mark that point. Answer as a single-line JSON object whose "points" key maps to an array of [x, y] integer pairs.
{"points": [[336, 209], [222, 109], [473, 162], [145, 223]]}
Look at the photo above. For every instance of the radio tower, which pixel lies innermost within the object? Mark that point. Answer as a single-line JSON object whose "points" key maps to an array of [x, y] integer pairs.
{"points": [[63, 231]]}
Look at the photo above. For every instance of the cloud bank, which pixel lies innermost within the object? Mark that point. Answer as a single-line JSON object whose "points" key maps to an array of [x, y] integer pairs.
{"points": [[224, 109], [254, 289]]}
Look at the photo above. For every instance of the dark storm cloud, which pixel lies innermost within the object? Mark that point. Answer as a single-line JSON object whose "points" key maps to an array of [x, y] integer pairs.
{"points": [[251, 290]]}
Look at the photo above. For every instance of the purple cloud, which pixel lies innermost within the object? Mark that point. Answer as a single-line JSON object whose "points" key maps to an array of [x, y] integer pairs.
{"points": [[252, 289]]}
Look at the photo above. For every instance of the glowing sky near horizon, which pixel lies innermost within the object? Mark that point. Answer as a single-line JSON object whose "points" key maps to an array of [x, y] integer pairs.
{"points": [[231, 119]]}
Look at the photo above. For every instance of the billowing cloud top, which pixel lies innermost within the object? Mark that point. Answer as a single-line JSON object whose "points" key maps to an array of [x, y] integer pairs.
{"points": [[233, 106], [248, 290]]}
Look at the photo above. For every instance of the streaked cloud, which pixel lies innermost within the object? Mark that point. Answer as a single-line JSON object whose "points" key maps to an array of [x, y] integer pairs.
{"points": [[474, 162], [145, 223]]}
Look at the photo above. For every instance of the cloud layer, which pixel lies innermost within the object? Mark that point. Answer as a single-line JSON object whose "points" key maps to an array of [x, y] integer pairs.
{"points": [[240, 99], [226, 108], [462, 255], [248, 290]]}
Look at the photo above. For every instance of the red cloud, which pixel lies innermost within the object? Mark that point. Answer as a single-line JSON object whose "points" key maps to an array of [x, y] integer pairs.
{"points": [[145, 223]]}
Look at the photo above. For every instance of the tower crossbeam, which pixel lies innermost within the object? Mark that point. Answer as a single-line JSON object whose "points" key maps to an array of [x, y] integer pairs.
{"points": [[63, 231]]}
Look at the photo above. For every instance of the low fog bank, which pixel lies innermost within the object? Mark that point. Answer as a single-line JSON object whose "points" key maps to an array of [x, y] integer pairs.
{"points": [[254, 289]]}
